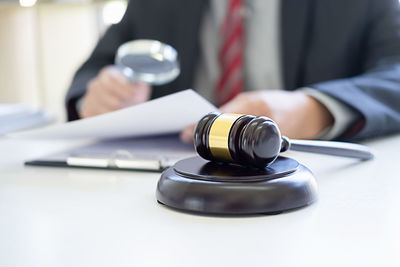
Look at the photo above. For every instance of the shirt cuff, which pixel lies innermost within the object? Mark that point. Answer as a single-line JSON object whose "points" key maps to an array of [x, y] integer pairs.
{"points": [[78, 106], [343, 115]]}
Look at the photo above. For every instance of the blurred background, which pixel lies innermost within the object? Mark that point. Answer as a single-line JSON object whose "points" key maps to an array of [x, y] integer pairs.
{"points": [[43, 42]]}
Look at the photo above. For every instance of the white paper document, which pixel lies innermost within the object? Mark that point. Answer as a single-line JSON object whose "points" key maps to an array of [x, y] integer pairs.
{"points": [[168, 114]]}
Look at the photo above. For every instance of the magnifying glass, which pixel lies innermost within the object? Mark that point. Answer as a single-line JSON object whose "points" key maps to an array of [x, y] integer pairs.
{"points": [[148, 61]]}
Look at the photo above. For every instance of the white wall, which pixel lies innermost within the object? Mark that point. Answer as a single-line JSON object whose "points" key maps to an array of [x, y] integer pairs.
{"points": [[18, 62], [40, 49]]}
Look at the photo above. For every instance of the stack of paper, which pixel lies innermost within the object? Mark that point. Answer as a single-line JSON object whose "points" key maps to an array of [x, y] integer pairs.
{"points": [[169, 114], [15, 117]]}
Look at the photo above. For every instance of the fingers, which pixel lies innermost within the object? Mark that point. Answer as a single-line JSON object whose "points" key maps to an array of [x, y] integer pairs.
{"points": [[110, 91], [250, 103], [235, 105], [230, 107], [187, 134], [98, 100], [115, 83], [142, 93]]}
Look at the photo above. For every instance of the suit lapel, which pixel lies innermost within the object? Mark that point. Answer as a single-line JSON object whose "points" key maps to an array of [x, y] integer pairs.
{"points": [[295, 18], [188, 23], [184, 18]]}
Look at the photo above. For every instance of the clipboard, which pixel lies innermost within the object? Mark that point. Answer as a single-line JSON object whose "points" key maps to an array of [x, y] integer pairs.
{"points": [[153, 154]]}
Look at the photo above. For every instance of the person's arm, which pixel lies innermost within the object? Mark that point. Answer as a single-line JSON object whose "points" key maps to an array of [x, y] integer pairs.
{"points": [[103, 55], [375, 94], [297, 114], [343, 115]]}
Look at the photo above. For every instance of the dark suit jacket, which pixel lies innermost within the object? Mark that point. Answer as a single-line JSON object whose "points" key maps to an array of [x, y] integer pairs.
{"points": [[349, 50]]}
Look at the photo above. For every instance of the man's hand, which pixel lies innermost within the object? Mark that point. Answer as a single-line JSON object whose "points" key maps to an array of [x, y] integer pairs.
{"points": [[297, 114], [110, 91]]}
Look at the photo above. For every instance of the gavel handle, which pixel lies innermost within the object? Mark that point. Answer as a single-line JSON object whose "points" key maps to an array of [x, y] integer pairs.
{"points": [[341, 149]]}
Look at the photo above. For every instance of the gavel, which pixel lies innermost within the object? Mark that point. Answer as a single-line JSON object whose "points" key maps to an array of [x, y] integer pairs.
{"points": [[256, 141]]}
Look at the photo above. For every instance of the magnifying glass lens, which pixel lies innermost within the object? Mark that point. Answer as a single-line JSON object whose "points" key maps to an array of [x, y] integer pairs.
{"points": [[148, 61]]}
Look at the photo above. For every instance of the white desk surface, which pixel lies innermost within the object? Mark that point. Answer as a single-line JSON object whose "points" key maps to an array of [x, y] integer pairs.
{"points": [[78, 217]]}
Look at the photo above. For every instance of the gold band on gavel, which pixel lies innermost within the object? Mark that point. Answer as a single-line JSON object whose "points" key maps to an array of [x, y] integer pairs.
{"points": [[218, 139]]}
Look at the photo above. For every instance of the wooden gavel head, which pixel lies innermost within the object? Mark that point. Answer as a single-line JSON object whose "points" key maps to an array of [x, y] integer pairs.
{"points": [[236, 138]]}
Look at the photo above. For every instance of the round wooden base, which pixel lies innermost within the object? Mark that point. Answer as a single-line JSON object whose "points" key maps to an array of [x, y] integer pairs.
{"points": [[197, 185]]}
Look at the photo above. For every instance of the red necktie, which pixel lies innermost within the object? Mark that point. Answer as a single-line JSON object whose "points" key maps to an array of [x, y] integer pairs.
{"points": [[230, 56]]}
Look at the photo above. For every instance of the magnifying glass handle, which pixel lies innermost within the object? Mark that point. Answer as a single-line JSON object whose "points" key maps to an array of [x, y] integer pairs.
{"points": [[341, 149]]}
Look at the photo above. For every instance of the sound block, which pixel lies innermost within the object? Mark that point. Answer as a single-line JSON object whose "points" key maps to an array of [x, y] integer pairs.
{"points": [[201, 186]]}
